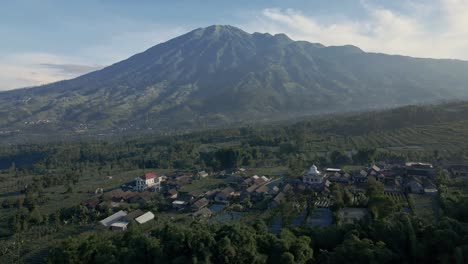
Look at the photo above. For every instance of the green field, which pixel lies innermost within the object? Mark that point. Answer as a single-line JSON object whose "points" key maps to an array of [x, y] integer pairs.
{"points": [[202, 185]]}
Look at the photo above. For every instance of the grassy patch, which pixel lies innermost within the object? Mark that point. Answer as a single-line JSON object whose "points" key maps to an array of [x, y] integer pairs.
{"points": [[203, 185]]}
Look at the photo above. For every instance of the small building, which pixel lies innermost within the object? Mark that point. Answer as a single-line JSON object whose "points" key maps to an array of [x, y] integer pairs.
{"points": [[201, 203], [262, 190], [338, 177], [147, 181], [332, 170], [177, 204], [313, 176], [360, 177], [144, 218], [252, 188], [202, 174], [414, 185], [115, 218], [204, 212], [196, 194], [420, 169], [172, 194], [119, 226], [279, 198], [459, 171], [225, 195]]}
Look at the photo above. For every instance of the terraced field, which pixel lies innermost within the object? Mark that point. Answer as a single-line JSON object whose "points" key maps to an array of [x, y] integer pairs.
{"points": [[445, 137]]}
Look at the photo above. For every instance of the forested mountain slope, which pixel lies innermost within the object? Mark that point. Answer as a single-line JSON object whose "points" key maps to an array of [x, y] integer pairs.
{"points": [[222, 75]]}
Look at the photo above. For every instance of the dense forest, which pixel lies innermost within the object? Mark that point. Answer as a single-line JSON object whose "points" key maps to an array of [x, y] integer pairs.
{"points": [[399, 239]]}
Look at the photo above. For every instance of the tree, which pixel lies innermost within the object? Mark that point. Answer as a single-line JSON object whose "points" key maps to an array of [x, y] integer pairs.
{"points": [[339, 158]]}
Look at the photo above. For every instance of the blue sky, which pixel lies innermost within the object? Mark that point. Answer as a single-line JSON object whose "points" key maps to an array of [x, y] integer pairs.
{"points": [[49, 40]]}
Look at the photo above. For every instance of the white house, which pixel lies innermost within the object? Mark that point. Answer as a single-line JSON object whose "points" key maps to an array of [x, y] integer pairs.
{"points": [[313, 176], [203, 174], [148, 180]]}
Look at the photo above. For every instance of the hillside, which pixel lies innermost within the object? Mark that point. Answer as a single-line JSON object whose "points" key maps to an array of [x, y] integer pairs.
{"points": [[221, 75]]}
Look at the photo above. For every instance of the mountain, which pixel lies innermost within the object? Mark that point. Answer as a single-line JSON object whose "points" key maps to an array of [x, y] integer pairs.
{"points": [[222, 75]]}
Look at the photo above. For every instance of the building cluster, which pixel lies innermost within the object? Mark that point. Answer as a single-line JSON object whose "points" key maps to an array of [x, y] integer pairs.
{"points": [[412, 177], [121, 219], [238, 192]]}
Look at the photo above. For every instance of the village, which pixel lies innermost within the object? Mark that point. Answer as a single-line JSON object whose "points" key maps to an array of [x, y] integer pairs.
{"points": [[237, 193]]}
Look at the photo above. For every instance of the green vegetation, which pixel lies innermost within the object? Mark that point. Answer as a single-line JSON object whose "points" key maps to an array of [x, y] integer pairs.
{"points": [[425, 206], [203, 185], [42, 187]]}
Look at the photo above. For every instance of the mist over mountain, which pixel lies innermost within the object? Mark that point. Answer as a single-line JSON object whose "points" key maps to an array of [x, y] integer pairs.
{"points": [[222, 75]]}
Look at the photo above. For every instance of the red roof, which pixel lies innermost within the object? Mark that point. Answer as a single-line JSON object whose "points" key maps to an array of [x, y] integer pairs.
{"points": [[148, 176]]}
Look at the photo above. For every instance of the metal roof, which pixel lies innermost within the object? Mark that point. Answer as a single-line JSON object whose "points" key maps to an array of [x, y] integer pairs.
{"points": [[113, 218], [145, 218]]}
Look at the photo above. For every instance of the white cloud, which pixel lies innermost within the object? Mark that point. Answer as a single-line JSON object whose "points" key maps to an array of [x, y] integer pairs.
{"points": [[37, 68], [431, 28], [31, 69]]}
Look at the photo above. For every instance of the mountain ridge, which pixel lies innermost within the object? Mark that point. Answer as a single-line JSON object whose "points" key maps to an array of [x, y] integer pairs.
{"points": [[222, 75]]}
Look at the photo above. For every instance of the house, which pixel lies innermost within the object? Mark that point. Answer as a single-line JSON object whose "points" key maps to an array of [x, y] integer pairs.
{"points": [[201, 203], [211, 194], [116, 195], [414, 185], [420, 185], [262, 190], [194, 195], [204, 212], [142, 198], [376, 168], [259, 180], [274, 190], [459, 171], [279, 198], [119, 226], [313, 176], [202, 174], [177, 204], [361, 177], [420, 169], [144, 218], [147, 181], [265, 179], [172, 194], [225, 195], [338, 177], [252, 188], [234, 180], [117, 219], [429, 186], [332, 170]]}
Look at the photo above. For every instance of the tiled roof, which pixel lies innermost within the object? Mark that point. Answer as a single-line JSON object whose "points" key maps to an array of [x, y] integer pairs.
{"points": [[148, 176]]}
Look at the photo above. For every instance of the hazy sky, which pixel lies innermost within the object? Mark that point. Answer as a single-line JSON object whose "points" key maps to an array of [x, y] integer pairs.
{"points": [[48, 40]]}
